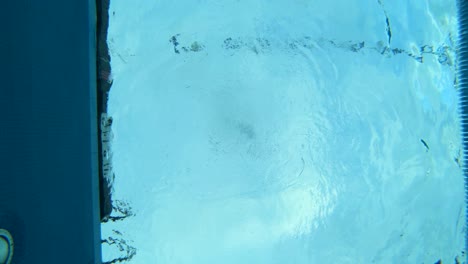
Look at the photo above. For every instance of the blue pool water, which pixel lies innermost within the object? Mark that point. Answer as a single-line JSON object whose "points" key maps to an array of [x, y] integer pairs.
{"points": [[286, 132]]}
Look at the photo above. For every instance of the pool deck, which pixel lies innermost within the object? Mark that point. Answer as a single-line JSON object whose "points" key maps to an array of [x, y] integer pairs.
{"points": [[49, 171]]}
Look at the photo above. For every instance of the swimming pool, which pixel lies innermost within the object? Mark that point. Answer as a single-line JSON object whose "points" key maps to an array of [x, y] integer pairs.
{"points": [[285, 132]]}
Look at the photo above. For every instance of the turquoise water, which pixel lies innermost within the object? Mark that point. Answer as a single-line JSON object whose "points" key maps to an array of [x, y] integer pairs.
{"points": [[286, 131]]}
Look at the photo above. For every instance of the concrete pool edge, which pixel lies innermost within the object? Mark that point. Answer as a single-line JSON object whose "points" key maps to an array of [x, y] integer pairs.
{"points": [[48, 137]]}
